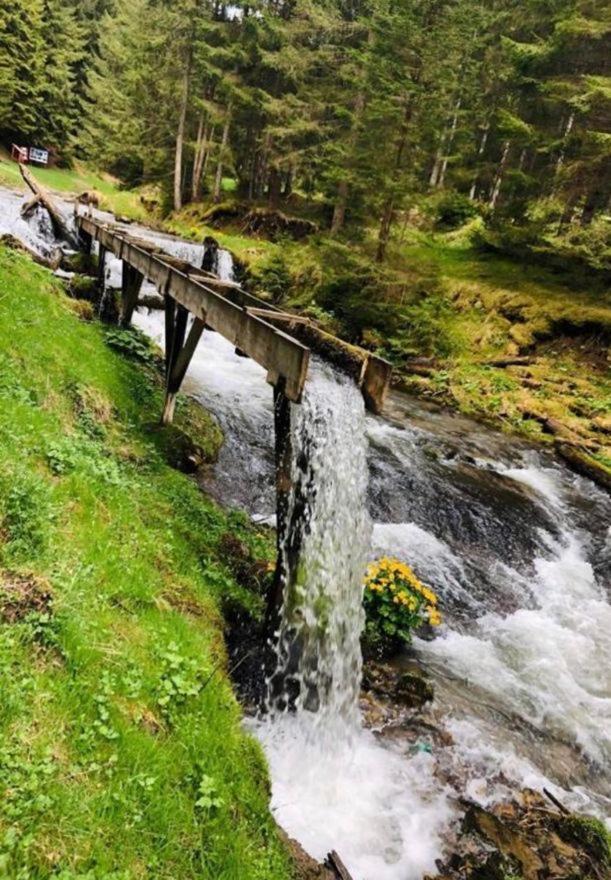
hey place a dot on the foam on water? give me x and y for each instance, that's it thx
(548, 664)
(384, 813)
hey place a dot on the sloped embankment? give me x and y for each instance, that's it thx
(121, 753)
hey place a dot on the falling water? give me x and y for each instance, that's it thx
(322, 616)
(334, 786)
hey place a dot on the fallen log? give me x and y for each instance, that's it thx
(560, 431)
(335, 864)
(52, 262)
(585, 465)
(60, 224)
(152, 301)
(516, 361)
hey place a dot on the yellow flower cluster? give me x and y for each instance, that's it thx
(404, 598)
(397, 578)
(434, 615)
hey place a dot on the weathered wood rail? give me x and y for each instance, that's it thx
(278, 341)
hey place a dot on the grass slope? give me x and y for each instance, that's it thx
(121, 751)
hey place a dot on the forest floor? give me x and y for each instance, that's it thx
(122, 753)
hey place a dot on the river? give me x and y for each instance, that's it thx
(518, 549)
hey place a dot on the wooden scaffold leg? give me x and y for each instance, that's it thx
(179, 349)
(131, 282)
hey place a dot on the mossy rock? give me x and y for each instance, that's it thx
(79, 262)
(178, 448)
(414, 690)
(589, 835)
(83, 287)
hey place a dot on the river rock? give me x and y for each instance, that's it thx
(83, 287)
(409, 689)
(527, 839)
(179, 449)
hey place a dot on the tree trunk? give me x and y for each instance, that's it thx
(567, 131)
(384, 233)
(274, 187)
(60, 223)
(389, 206)
(595, 199)
(339, 211)
(482, 147)
(219, 167)
(180, 137)
(444, 165)
(198, 161)
(496, 189)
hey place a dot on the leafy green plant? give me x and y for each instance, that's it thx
(207, 795)
(27, 514)
(181, 680)
(396, 602)
(131, 342)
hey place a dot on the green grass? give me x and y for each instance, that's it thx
(121, 750)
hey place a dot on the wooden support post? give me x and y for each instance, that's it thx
(292, 506)
(131, 282)
(101, 273)
(85, 241)
(178, 352)
(283, 458)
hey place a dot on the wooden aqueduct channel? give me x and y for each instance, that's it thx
(279, 341)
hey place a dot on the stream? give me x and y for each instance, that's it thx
(518, 549)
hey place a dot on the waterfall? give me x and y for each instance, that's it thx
(322, 615)
(333, 785)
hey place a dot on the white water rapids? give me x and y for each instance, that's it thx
(519, 550)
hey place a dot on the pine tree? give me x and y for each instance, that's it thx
(21, 68)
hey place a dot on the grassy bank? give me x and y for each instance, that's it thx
(121, 752)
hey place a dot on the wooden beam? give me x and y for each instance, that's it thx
(101, 273)
(131, 282)
(280, 354)
(60, 224)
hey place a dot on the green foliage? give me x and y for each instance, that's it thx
(396, 602)
(274, 277)
(132, 342)
(27, 513)
(453, 210)
(41, 47)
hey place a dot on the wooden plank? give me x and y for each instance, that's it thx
(60, 223)
(334, 862)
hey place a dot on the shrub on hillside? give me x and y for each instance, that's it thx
(453, 210)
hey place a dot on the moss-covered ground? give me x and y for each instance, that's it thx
(121, 749)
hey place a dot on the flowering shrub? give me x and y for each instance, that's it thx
(395, 603)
